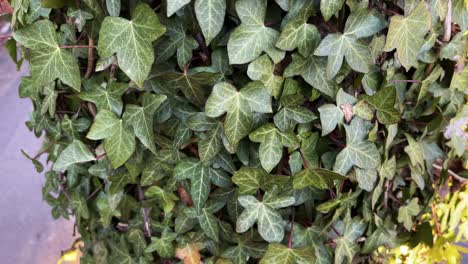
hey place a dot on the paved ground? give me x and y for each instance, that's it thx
(28, 234)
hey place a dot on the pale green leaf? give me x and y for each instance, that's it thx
(406, 35)
(141, 118)
(210, 15)
(48, 61)
(131, 41)
(174, 5)
(113, 7)
(407, 212)
(76, 152)
(262, 69)
(109, 98)
(239, 106)
(330, 7)
(318, 178)
(281, 254)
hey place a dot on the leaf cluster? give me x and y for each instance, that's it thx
(247, 131)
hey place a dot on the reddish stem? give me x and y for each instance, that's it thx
(100, 156)
(292, 229)
(5, 36)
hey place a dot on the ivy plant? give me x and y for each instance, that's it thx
(250, 131)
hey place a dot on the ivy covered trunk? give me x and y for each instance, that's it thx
(251, 131)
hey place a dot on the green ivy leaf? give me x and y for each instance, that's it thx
(299, 34)
(192, 84)
(406, 213)
(174, 5)
(313, 70)
(209, 224)
(347, 45)
(119, 142)
(201, 177)
(76, 152)
(131, 41)
(239, 106)
(406, 35)
(318, 178)
(331, 7)
(278, 253)
(48, 60)
(262, 69)
(167, 199)
(249, 180)
(113, 7)
(384, 102)
(141, 118)
(271, 144)
(252, 37)
(269, 221)
(210, 15)
(109, 98)
(358, 151)
(164, 245)
(346, 245)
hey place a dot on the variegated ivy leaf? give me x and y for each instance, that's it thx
(48, 61)
(209, 224)
(251, 37)
(76, 152)
(192, 83)
(164, 245)
(246, 247)
(313, 70)
(119, 141)
(346, 245)
(406, 213)
(239, 106)
(201, 177)
(141, 118)
(131, 41)
(358, 150)
(299, 34)
(166, 198)
(330, 7)
(318, 178)
(406, 35)
(271, 144)
(278, 254)
(292, 113)
(210, 15)
(265, 214)
(262, 69)
(337, 46)
(249, 180)
(384, 102)
(80, 17)
(332, 115)
(109, 98)
(174, 5)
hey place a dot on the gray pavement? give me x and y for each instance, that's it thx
(28, 233)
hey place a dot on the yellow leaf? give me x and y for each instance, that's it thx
(190, 253)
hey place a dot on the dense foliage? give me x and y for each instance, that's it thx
(246, 131)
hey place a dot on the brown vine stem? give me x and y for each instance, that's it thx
(434, 216)
(146, 217)
(90, 68)
(77, 47)
(100, 156)
(44, 151)
(292, 229)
